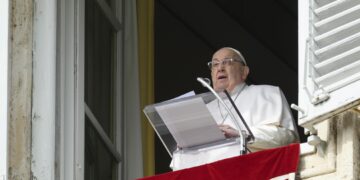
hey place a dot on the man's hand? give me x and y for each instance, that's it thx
(228, 131)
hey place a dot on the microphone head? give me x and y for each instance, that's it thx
(207, 80)
(204, 81)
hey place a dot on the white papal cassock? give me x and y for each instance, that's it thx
(266, 112)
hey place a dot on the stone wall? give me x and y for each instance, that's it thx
(338, 157)
(20, 74)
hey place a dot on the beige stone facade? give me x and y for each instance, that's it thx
(338, 156)
(20, 91)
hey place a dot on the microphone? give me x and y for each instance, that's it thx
(242, 138)
(207, 85)
(251, 135)
(207, 80)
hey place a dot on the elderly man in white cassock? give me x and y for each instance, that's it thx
(263, 107)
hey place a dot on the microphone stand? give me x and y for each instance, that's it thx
(243, 139)
(246, 138)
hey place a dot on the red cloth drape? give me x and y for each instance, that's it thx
(264, 164)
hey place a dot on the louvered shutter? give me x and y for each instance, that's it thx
(329, 57)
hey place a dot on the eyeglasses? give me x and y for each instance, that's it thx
(225, 62)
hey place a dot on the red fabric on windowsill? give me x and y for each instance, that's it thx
(264, 164)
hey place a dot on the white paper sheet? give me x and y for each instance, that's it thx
(190, 122)
(188, 94)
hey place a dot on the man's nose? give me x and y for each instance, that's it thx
(221, 67)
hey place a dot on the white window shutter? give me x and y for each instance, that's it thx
(329, 57)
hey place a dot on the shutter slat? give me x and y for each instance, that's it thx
(343, 82)
(338, 47)
(338, 61)
(338, 19)
(323, 2)
(334, 7)
(338, 33)
(339, 74)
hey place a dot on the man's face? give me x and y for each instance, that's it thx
(227, 76)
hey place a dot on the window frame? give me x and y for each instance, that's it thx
(70, 104)
(4, 64)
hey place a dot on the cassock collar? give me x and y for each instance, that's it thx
(238, 88)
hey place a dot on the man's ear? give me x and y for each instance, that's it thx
(245, 73)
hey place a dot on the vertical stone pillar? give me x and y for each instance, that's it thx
(348, 146)
(20, 74)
